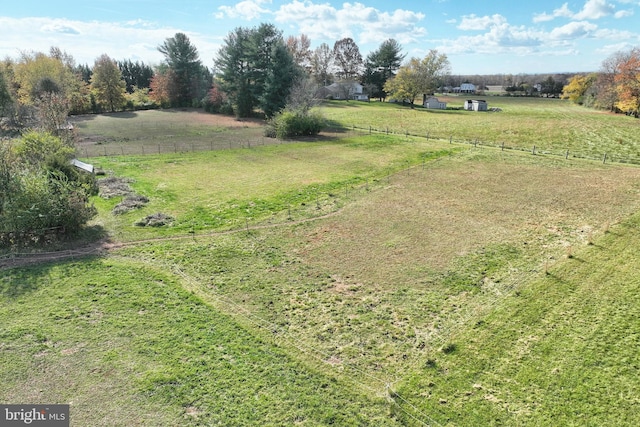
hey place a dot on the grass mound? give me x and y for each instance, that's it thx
(129, 203)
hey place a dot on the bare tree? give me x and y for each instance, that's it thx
(299, 47)
(348, 59)
(302, 95)
(321, 63)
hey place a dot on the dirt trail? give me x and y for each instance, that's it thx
(102, 247)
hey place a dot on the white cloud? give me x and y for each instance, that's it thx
(592, 10)
(573, 30)
(563, 12)
(611, 48)
(473, 22)
(595, 9)
(86, 40)
(248, 10)
(59, 28)
(613, 34)
(364, 23)
(623, 13)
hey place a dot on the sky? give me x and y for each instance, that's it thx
(478, 37)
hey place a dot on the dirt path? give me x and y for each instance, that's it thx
(102, 247)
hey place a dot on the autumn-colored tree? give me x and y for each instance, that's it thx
(628, 83)
(215, 99)
(33, 69)
(107, 83)
(163, 87)
(578, 87)
(404, 86)
(419, 77)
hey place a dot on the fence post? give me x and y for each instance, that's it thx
(502, 147)
(450, 139)
(534, 150)
(604, 159)
(566, 156)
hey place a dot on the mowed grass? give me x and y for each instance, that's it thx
(128, 345)
(550, 125)
(372, 289)
(228, 189)
(163, 131)
(426, 286)
(561, 351)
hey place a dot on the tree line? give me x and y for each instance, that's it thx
(257, 72)
(615, 87)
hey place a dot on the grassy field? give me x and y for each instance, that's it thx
(551, 125)
(163, 131)
(367, 280)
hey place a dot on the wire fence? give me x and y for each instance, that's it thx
(177, 145)
(605, 157)
(220, 141)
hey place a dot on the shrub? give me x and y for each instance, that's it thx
(40, 190)
(290, 124)
(215, 100)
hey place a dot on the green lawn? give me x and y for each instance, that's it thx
(366, 280)
(551, 125)
(125, 344)
(227, 189)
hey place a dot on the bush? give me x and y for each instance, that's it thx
(215, 100)
(40, 192)
(290, 124)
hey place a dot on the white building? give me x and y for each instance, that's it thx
(346, 90)
(433, 103)
(467, 88)
(476, 105)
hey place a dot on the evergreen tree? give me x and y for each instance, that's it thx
(281, 74)
(247, 68)
(381, 65)
(182, 58)
(135, 74)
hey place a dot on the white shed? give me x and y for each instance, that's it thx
(433, 103)
(476, 105)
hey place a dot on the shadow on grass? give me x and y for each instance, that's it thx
(26, 278)
(20, 264)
